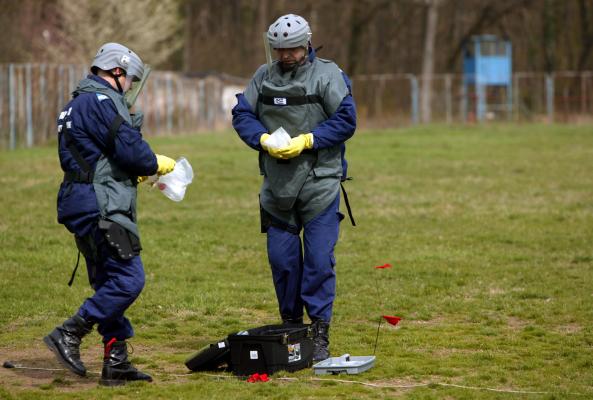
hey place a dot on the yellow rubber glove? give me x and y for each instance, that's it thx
(296, 146)
(271, 151)
(262, 139)
(165, 164)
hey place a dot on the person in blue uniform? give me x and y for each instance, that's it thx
(311, 99)
(104, 156)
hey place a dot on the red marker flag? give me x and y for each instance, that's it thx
(258, 378)
(392, 320)
(383, 266)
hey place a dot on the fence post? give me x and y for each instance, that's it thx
(42, 107)
(2, 80)
(482, 107)
(414, 97)
(550, 97)
(156, 81)
(509, 94)
(60, 87)
(11, 107)
(448, 99)
(170, 101)
(583, 93)
(194, 107)
(29, 105)
(517, 98)
(71, 79)
(463, 101)
(211, 107)
(180, 101)
(379, 97)
(201, 102)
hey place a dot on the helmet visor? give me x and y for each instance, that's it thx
(134, 85)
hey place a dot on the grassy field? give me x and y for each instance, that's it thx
(489, 231)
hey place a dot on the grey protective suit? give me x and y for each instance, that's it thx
(296, 190)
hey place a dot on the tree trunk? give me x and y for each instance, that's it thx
(428, 59)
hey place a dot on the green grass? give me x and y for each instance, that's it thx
(489, 231)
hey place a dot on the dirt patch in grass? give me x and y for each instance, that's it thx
(517, 323)
(426, 322)
(37, 368)
(568, 329)
(39, 356)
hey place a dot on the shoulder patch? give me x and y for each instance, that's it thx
(101, 97)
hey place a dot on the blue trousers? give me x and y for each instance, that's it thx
(117, 284)
(304, 275)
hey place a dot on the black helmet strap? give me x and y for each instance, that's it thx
(116, 78)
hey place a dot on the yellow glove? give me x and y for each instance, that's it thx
(165, 164)
(296, 146)
(262, 139)
(271, 151)
(142, 179)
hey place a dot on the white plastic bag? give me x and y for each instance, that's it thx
(174, 183)
(278, 139)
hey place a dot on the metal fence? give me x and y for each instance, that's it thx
(31, 96)
(394, 100)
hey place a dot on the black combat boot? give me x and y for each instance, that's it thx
(65, 340)
(117, 369)
(320, 340)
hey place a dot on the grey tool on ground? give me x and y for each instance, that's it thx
(345, 363)
(10, 365)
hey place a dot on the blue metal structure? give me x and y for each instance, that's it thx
(487, 62)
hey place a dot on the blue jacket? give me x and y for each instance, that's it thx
(91, 115)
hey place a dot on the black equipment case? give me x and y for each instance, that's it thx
(266, 349)
(210, 358)
(272, 348)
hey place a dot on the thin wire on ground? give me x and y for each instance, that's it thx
(388, 386)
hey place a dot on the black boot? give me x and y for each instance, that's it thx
(320, 340)
(117, 370)
(65, 340)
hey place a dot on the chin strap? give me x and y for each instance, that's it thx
(116, 78)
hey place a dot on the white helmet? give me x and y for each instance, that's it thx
(114, 55)
(289, 31)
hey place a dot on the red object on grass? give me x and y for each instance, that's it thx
(391, 319)
(383, 266)
(258, 378)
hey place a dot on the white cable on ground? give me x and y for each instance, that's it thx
(410, 386)
(376, 385)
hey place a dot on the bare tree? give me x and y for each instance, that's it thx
(428, 58)
(152, 28)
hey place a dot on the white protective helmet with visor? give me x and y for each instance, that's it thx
(115, 55)
(289, 31)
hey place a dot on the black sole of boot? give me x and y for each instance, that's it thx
(112, 382)
(119, 382)
(52, 346)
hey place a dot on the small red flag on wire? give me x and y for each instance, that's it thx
(391, 319)
(383, 266)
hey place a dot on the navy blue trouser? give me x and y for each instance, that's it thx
(306, 277)
(117, 284)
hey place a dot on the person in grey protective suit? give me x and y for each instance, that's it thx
(103, 157)
(311, 99)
